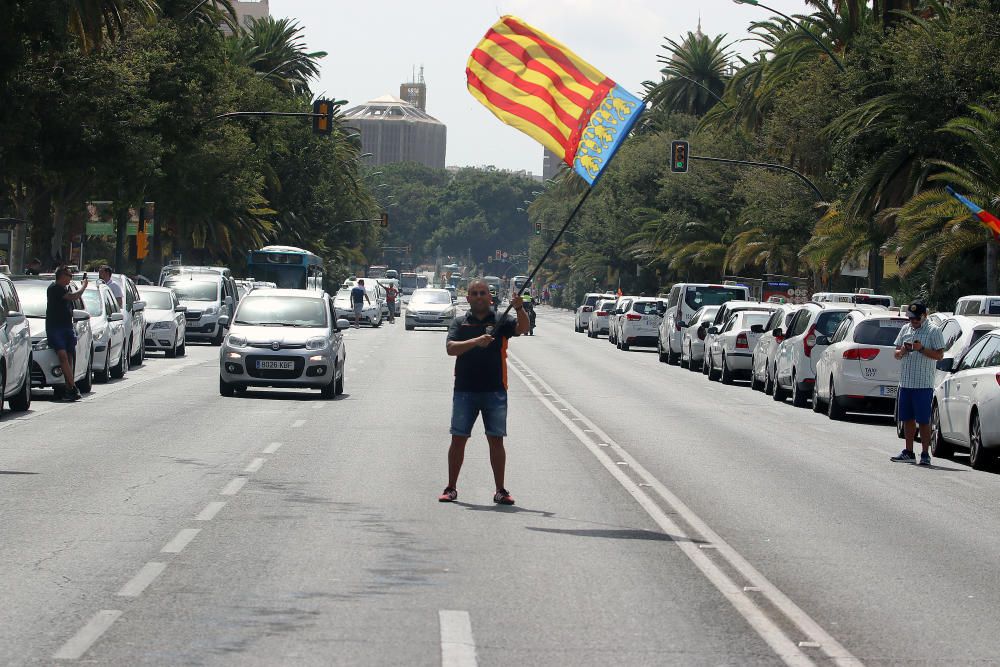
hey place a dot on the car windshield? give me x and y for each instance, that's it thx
(33, 299)
(696, 297)
(430, 297)
(878, 332)
(282, 311)
(157, 300)
(195, 290)
(750, 319)
(605, 306)
(827, 323)
(92, 302)
(591, 300)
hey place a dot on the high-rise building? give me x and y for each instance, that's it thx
(250, 9)
(397, 130)
(551, 164)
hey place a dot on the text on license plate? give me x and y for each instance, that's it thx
(889, 390)
(275, 365)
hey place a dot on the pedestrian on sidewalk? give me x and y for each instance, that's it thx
(59, 326)
(390, 298)
(358, 297)
(479, 343)
(919, 346)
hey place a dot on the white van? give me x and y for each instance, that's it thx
(978, 304)
(682, 302)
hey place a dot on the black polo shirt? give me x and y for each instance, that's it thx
(482, 368)
(58, 311)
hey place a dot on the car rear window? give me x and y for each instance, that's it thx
(649, 307)
(878, 332)
(605, 306)
(867, 299)
(827, 323)
(591, 300)
(696, 297)
(750, 319)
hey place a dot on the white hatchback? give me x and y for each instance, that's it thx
(858, 371)
(960, 332)
(598, 322)
(767, 347)
(639, 323)
(730, 351)
(693, 335)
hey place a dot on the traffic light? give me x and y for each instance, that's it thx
(385, 219)
(498, 255)
(322, 117)
(538, 229)
(141, 243)
(679, 154)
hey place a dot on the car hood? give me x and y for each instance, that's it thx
(276, 334)
(36, 325)
(198, 305)
(159, 315)
(430, 307)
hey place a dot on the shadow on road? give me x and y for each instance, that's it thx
(16, 472)
(507, 509)
(617, 534)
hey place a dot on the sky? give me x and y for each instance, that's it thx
(375, 46)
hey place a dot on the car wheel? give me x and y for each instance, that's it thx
(799, 397)
(172, 352)
(834, 410)
(623, 347)
(330, 389)
(182, 349)
(21, 401)
(121, 367)
(226, 389)
(673, 358)
(104, 375)
(779, 394)
(682, 362)
(87, 383)
(979, 457)
(136, 360)
(339, 386)
(409, 327)
(3, 385)
(940, 448)
(713, 375)
(725, 374)
(217, 341)
(817, 404)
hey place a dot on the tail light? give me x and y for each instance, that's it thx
(779, 339)
(588, 309)
(632, 317)
(677, 319)
(998, 378)
(809, 342)
(861, 353)
(741, 342)
(602, 313)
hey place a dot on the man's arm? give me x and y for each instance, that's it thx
(935, 354)
(523, 323)
(457, 348)
(73, 296)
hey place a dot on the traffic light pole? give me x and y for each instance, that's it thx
(766, 165)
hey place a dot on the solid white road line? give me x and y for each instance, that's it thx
(298, 423)
(272, 448)
(458, 648)
(233, 487)
(255, 465)
(769, 631)
(145, 577)
(210, 510)
(81, 642)
(181, 540)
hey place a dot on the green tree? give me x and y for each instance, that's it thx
(694, 74)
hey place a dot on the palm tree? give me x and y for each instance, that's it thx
(212, 13)
(94, 22)
(274, 48)
(694, 74)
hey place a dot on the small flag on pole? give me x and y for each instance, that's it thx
(984, 217)
(536, 84)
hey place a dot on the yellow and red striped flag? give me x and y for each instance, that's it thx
(536, 84)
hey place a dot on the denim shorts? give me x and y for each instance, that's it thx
(915, 404)
(62, 339)
(466, 406)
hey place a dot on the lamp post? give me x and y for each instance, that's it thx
(814, 38)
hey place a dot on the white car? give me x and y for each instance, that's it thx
(858, 370)
(45, 368)
(586, 307)
(693, 334)
(132, 313)
(209, 299)
(614, 317)
(722, 317)
(795, 361)
(371, 309)
(978, 304)
(15, 350)
(284, 338)
(767, 347)
(598, 322)
(107, 322)
(166, 323)
(966, 407)
(429, 308)
(960, 332)
(682, 302)
(639, 323)
(730, 350)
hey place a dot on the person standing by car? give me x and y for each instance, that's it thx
(479, 344)
(105, 273)
(358, 297)
(390, 299)
(59, 326)
(919, 346)
(34, 267)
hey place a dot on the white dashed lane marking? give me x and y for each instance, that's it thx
(272, 448)
(144, 578)
(181, 540)
(255, 465)
(458, 648)
(298, 423)
(81, 642)
(210, 510)
(233, 487)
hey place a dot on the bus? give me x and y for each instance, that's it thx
(407, 283)
(377, 271)
(287, 267)
(517, 284)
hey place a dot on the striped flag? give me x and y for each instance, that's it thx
(534, 83)
(984, 217)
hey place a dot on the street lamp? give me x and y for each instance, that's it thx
(814, 38)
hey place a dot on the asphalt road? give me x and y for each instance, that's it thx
(660, 519)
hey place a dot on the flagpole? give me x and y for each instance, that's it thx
(552, 245)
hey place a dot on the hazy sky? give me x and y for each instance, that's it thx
(374, 46)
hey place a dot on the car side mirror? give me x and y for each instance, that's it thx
(180, 309)
(343, 324)
(757, 329)
(681, 324)
(116, 317)
(229, 300)
(713, 330)
(138, 306)
(80, 315)
(224, 321)
(822, 340)
(947, 365)
(778, 333)
(14, 318)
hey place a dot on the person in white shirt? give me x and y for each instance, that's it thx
(116, 290)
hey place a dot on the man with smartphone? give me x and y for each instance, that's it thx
(919, 346)
(59, 326)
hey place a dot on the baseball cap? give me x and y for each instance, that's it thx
(916, 311)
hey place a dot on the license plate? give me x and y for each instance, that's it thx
(275, 365)
(889, 390)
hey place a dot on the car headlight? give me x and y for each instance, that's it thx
(237, 341)
(317, 343)
(99, 335)
(162, 325)
(40, 344)
(211, 310)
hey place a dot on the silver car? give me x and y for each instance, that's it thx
(166, 323)
(15, 350)
(430, 308)
(283, 338)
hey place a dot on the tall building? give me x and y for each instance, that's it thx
(394, 130)
(551, 164)
(248, 9)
